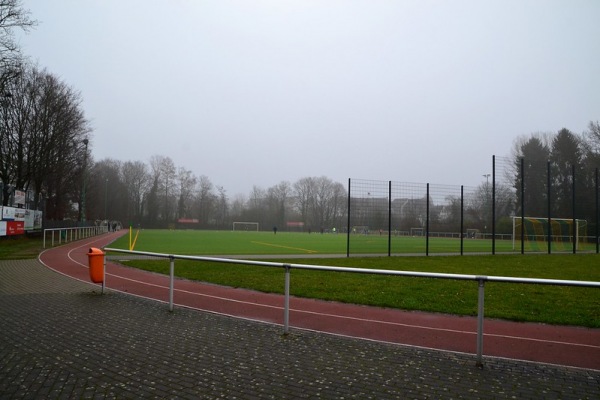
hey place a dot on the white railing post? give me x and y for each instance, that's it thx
(480, 312)
(103, 272)
(286, 301)
(172, 280)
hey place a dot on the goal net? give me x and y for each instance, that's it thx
(245, 226)
(564, 232)
(473, 234)
(416, 232)
(360, 229)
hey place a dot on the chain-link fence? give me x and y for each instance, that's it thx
(519, 207)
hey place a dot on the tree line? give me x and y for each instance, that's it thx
(160, 194)
(558, 171)
(43, 141)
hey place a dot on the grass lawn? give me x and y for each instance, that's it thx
(533, 303)
(237, 243)
(20, 248)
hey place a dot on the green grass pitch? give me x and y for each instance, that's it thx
(193, 242)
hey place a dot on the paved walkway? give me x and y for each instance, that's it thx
(60, 338)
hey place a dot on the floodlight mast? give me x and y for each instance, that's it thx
(82, 216)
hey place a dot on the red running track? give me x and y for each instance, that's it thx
(560, 345)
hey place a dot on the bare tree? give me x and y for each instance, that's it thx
(43, 138)
(222, 212)
(592, 138)
(257, 207)
(304, 191)
(237, 207)
(205, 200)
(12, 16)
(187, 183)
(163, 190)
(136, 179)
(277, 197)
(107, 193)
(320, 201)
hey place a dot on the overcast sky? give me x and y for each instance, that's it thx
(257, 92)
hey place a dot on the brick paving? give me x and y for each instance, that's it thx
(62, 339)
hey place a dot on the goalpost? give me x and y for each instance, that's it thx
(246, 226)
(416, 232)
(536, 230)
(473, 234)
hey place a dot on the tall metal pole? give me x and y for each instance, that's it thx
(549, 210)
(82, 217)
(389, 218)
(597, 215)
(427, 224)
(574, 218)
(522, 206)
(493, 204)
(487, 204)
(462, 219)
(348, 230)
(105, 199)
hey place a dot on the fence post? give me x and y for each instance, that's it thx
(348, 230)
(574, 219)
(389, 218)
(481, 280)
(171, 280)
(427, 223)
(286, 301)
(522, 205)
(597, 214)
(493, 205)
(549, 209)
(462, 219)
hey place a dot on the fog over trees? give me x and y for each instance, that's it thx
(160, 194)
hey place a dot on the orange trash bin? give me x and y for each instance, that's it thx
(96, 264)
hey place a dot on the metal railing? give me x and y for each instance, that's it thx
(480, 279)
(75, 233)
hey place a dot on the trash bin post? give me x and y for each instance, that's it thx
(103, 273)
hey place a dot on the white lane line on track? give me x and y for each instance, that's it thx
(88, 244)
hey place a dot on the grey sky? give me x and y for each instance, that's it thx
(256, 92)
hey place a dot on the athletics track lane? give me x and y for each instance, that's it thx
(569, 346)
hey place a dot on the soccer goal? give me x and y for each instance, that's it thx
(416, 232)
(564, 231)
(246, 226)
(473, 234)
